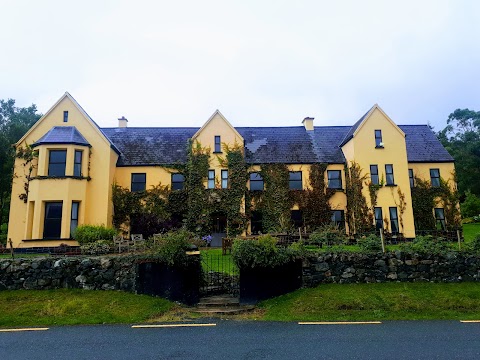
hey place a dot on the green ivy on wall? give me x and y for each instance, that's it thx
(359, 217)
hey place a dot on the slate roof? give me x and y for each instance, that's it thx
(290, 145)
(349, 134)
(423, 145)
(62, 135)
(150, 146)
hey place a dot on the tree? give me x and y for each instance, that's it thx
(461, 137)
(14, 123)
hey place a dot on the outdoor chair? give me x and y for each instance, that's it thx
(227, 245)
(138, 242)
(157, 238)
(121, 243)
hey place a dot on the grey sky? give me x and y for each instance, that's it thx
(261, 63)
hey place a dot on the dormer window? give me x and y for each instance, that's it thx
(218, 144)
(378, 139)
(65, 116)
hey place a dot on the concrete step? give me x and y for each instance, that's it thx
(218, 301)
(224, 310)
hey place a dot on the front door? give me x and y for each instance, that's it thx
(219, 229)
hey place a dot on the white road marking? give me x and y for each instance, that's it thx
(340, 323)
(170, 325)
(470, 321)
(23, 329)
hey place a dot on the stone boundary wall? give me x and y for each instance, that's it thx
(90, 273)
(389, 267)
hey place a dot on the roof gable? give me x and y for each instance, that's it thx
(217, 115)
(361, 122)
(89, 120)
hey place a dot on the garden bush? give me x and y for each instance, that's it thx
(99, 247)
(262, 253)
(3, 234)
(426, 245)
(369, 244)
(328, 235)
(471, 206)
(474, 245)
(171, 247)
(86, 234)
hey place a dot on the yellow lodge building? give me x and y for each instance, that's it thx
(66, 166)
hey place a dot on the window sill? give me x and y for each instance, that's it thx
(391, 185)
(379, 147)
(336, 189)
(51, 239)
(88, 178)
(217, 152)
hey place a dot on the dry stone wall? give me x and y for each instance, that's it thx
(389, 267)
(91, 273)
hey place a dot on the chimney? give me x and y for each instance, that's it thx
(308, 123)
(122, 122)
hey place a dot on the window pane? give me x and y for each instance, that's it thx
(139, 182)
(77, 166)
(374, 174)
(211, 179)
(74, 218)
(334, 179)
(378, 218)
(389, 174)
(218, 145)
(256, 182)
(57, 161)
(295, 182)
(378, 137)
(178, 177)
(58, 156)
(53, 220)
(435, 177)
(411, 178)
(394, 219)
(295, 175)
(224, 179)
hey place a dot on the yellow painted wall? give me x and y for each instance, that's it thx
(94, 195)
(364, 153)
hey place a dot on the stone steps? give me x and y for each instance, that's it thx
(221, 305)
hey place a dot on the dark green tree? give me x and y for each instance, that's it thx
(14, 123)
(461, 137)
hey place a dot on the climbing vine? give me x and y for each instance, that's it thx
(275, 201)
(315, 201)
(425, 198)
(28, 156)
(359, 217)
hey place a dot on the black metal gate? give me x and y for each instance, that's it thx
(219, 274)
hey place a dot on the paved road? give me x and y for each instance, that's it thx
(250, 340)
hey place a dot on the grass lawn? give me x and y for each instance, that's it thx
(470, 230)
(213, 260)
(391, 301)
(22, 308)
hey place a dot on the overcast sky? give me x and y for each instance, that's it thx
(261, 63)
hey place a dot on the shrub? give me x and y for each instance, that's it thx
(171, 247)
(261, 253)
(328, 235)
(3, 234)
(86, 234)
(426, 245)
(99, 247)
(369, 244)
(471, 206)
(474, 245)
